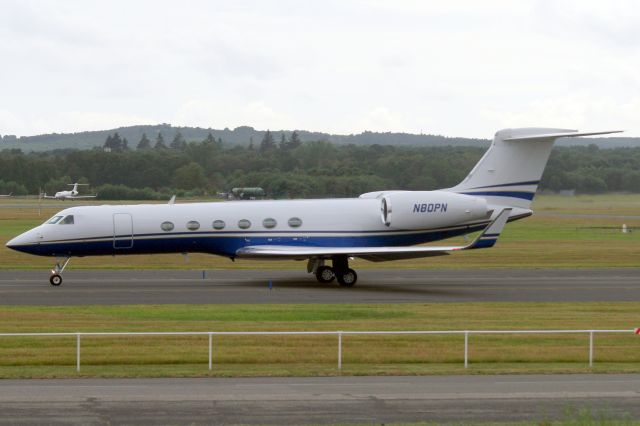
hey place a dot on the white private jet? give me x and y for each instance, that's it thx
(6, 195)
(376, 226)
(69, 195)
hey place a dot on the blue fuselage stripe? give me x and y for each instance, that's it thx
(512, 194)
(531, 182)
(228, 245)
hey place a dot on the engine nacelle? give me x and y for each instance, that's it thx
(430, 209)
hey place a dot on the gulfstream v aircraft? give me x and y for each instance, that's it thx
(69, 195)
(376, 226)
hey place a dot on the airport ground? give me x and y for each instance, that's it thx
(589, 280)
(446, 300)
(519, 400)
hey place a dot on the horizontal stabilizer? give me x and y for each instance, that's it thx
(486, 239)
(552, 136)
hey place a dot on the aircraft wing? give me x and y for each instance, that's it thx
(486, 239)
(77, 197)
(51, 197)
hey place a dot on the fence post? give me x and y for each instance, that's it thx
(210, 350)
(339, 350)
(77, 352)
(466, 349)
(591, 348)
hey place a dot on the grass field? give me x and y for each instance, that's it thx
(317, 355)
(554, 237)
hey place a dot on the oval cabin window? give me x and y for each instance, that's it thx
(295, 222)
(167, 226)
(193, 225)
(218, 224)
(244, 224)
(269, 223)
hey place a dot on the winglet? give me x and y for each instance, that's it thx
(172, 200)
(490, 235)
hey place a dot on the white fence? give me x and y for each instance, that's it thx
(339, 334)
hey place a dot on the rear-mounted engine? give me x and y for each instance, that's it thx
(430, 209)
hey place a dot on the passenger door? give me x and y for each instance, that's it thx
(122, 231)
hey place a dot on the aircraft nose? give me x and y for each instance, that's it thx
(23, 241)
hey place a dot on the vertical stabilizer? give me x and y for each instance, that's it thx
(509, 172)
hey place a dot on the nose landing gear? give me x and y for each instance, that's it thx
(56, 278)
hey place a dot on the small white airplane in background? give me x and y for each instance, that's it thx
(69, 195)
(6, 195)
(377, 226)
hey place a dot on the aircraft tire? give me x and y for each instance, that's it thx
(347, 278)
(325, 274)
(55, 280)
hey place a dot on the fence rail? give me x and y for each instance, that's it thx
(339, 334)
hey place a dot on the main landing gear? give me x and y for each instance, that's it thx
(56, 279)
(340, 271)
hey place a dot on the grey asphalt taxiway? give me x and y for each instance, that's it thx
(89, 287)
(320, 400)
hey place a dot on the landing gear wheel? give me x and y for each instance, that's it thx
(55, 280)
(325, 274)
(347, 278)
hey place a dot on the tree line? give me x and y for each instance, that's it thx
(152, 168)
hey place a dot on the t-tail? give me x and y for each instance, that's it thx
(510, 171)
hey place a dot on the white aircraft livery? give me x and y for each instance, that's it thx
(69, 195)
(376, 226)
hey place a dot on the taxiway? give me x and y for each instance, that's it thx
(90, 287)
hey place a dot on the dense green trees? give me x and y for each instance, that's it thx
(292, 168)
(268, 143)
(160, 142)
(144, 143)
(116, 143)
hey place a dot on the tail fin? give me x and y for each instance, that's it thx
(510, 171)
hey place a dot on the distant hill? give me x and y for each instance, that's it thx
(244, 134)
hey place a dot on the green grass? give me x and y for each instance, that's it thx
(179, 356)
(545, 240)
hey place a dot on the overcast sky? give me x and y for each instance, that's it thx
(458, 68)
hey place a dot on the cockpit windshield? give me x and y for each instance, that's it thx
(67, 220)
(54, 219)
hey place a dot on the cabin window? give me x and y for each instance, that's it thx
(269, 223)
(167, 226)
(218, 224)
(244, 224)
(67, 220)
(54, 219)
(193, 225)
(295, 222)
